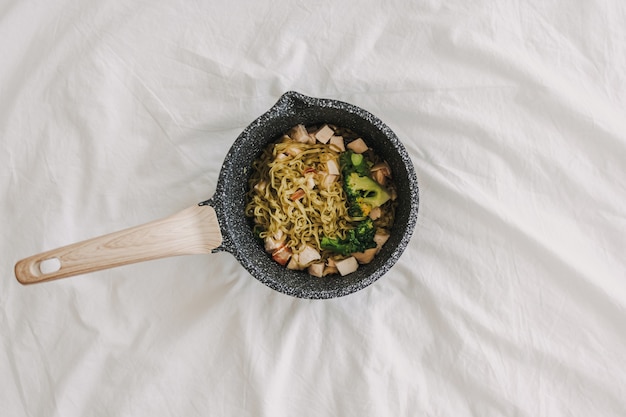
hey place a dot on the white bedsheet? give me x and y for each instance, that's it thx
(509, 301)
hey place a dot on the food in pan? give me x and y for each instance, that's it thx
(321, 200)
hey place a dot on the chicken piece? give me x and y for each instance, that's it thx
(365, 257)
(316, 269)
(294, 264)
(293, 149)
(358, 146)
(333, 167)
(347, 266)
(337, 142)
(308, 255)
(324, 134)
(310, 181)
(380, 238)
(273, 243)
(260, 186)
(327, 180)
(282, 255)
(299, 134)
(375, 213)
(330, 267)
(329, 270)
(380, 172)
(393, 193)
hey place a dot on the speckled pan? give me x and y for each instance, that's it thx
(219, 224)
(230, 197)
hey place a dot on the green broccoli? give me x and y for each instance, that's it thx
(354, 162)
(362, 192)
(357, 240)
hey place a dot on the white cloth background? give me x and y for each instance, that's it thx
(509, 301)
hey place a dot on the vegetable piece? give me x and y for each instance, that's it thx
(358, 239)
(357, 146)
(354, 162)
(347, 266)
(363, 194)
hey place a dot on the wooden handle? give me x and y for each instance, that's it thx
(193, 230)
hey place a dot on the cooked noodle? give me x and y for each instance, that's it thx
(319, 212)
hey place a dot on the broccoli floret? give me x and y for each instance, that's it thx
(363, 193)
(354, 162)
(357, 240)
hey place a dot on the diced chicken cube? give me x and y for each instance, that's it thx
(337, 142)
(316, 269)
(365, 257)
(308, 255)
(327, 180)
(328, 270)
(358, 146)
(347, 266)
(394, 194)
(330, 267)
(294, 264)
(333, 167)
(293, 149)
(380, 172)
(379, 177)
(380, 238)
(273, 243)
(310, 181)
(299, 134)
(282, 255)
(324, 134)
(260, 186)
(375, 213)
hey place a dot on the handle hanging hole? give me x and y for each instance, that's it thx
(48, 266)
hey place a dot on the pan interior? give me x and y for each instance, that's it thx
(230, 198)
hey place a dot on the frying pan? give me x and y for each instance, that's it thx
(219, 224)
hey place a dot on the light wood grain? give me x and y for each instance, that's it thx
(194, 230)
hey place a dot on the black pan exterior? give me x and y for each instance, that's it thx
(230, 197)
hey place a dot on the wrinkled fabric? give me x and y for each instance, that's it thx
(509, 300)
